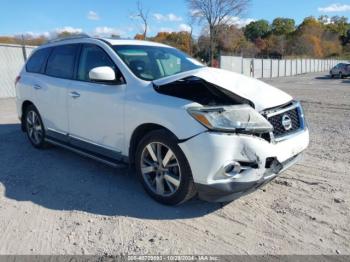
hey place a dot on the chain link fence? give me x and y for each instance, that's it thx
(12, 59)
(270, 68)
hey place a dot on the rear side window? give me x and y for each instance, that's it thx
(61, 61)
(37, 60)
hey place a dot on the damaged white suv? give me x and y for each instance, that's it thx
(187, 128)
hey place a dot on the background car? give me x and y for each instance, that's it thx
(341, 70)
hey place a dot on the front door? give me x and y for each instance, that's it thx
(96, 109)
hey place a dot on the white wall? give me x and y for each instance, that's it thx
(266, 68)
(11, 63)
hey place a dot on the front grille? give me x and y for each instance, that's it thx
(279, 129)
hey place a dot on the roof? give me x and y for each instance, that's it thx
(84, 38)
(131, 42)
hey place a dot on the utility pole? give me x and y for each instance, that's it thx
(24, 51)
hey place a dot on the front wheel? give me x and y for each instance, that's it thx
(163, 169)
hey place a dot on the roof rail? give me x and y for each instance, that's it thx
(70, 37)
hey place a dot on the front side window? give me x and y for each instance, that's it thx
(154, 62)
(92, 56)
(61, 61)
(37, 60)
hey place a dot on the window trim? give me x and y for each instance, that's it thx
(111, 83)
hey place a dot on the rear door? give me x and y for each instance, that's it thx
(336, 70)
(96, 109)
(31, 80)
(52, 93)
(348, 70)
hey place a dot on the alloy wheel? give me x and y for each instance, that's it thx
(160, 169)
(34, 127)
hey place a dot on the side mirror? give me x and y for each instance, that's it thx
(102, 74)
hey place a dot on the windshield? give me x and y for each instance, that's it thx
(154, 62)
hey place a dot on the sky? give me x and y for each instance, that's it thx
(106, 17)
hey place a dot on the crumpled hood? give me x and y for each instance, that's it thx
(263, 96)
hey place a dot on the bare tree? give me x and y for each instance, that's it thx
(143, 15)
(214, 13)
(191, 22)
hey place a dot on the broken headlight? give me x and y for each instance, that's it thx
(238, 118)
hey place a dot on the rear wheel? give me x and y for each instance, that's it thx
(163, 169)
(34, 127)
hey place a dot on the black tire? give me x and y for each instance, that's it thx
(341, 75)
(40, 142)
(186, 189)
(332, 76)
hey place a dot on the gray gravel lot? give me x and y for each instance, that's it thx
(56, 202)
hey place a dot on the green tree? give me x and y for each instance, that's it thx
(324, 19)
(313, 38)
(311, 26)
(339, 25)
(283, 26)
(257, 29)
(346, 38)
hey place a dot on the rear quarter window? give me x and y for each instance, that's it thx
(61, 61)
(37, 61)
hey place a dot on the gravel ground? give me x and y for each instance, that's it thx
(56, 202)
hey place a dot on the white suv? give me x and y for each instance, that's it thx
(187, 128)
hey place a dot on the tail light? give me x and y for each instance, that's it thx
(17, 80)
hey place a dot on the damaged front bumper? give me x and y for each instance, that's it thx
(211, 156)
(222, 192)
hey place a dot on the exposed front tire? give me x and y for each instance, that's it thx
(34, 127)
(163, 169)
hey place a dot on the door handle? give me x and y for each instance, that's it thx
(37, 87)
(74, 95)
